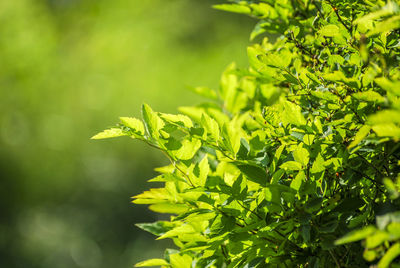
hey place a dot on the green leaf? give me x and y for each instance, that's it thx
(318, 165)
(211, 126)
(387, 130)
(233, 8)
(231, 138)
(253, 173)
(177, 119)
(390, 255)
(370, 255)
(168, 208)
(371, 96)
(204, 169)
(274, 192)
(152, 262)
(291, 165)
(391, 187)
(154, 193)
(329, 30)
(329, 227)
(276, 158)
(109, 133)
(361, 134)
(181, 261)
(374, 240)
(187, 150)
(179, 230)
(228, 87)
(301, 155)
(388, 85)
(279, 59)
(305, 232)
(277, 176)
(153, 122)
(385, 117)
(313, 205)
(292, 114)
(298, 180)
(356, 235)
(134, 124)
(385, 26)
(156, 228)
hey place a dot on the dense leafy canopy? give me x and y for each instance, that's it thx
(293, 160)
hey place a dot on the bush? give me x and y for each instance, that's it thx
(295, 159)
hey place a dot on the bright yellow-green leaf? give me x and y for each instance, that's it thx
(253, 54)
(298, 180)
(147, 201)
(387, 130)
(292, 114)
(276, 158)
(181, 261)
(182, 229)
(109, 133)
(318, 165)
(308, 139)
(329, 30)
(369, 95)
(374, 240)
(231, 137)
(370, 255)
(152, 121)
(204, 169)
(211, 126)
(133, 123)
(388, 85)
(386, 25)
(385, 117)
(291, 165)
(233, 8)
(152, 262)
(301, 155)
(179, 119)
(356, 235)
(168, 208)
(228, 84)
(394, 230)
(188, 149)
(361, 134)
(390, 255)
(154, 193)
(277, 176)
(279, 59)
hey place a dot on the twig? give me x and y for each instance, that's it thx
(340, 18)
(334, 258)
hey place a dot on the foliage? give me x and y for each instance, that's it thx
(295, 159)
(63, 65)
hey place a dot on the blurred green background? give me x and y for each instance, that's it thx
(68, 69)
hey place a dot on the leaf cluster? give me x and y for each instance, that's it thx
(294, 159)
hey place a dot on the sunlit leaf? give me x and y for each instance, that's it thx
(109, 133)
(152, 262)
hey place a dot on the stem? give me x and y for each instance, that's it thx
(340, 18)
(249, 210)
(298, 81)
(334, 258)
(173, 162)
(370, 164)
